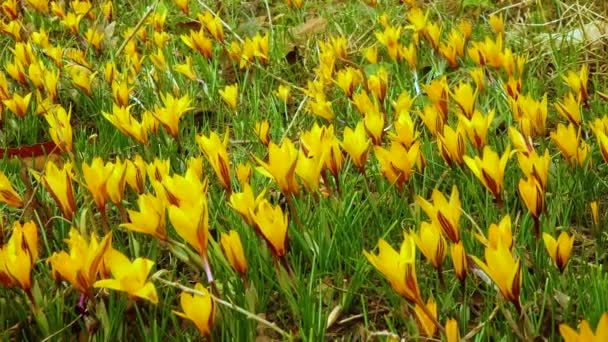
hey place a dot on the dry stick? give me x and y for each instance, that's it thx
(229, 305)
(141, 22)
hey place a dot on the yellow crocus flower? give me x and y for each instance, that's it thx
(281, 166)
(59, 184)
(533, 196)
(172, 111)
(465, 97)
(8, 194)
(233, 250)
(19, 255)
(568, 140)
(431, 243)
(115, 185)
(585, 334)
(213, 24)
(216, 152)
(245, 202)
(397, 163)
(498, 233)
(559, 249)
(437, 92)
(262, 131)
(230, 95)
(490, 169)
(451, 145)
(356, 143)
(96, 176)
(271, 223)
(18, 104)
(199, 308)
(129, 277)
(60, 128)
(426, 324)
(446, 213)
(477, 127)
(398, 267)
(570, 109)
(578, 82)
(459, 260)
(191, 222)
(150, 219)
(504, 270)
(80, 267)
(198, 41)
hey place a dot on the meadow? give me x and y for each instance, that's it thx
(303, 170)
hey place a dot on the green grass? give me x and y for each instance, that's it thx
(324, 271)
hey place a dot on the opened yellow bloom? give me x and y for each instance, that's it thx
(245, 202)
(198, 41)
(122, 119)
(451, 145)
(60, 128)
(199, 308)
(172, 111)
(490, 170)
(477, 127)
(426, 324)
(533, 195)
(347, 79)
(465, 97)
(533, 165)
(115, 185)
(452, 333)
(504, 269)
(578, 82)
(182, 190)
(356, 144)
(431, 243)
(446, 213)
(216, 152)
(568, 140)
(438, 92)
(271, 223)
(432, 119)
(96, 176)
(213, 24)
(498, 233)
(262, 130)
(80, 266)
(309, 169)
(570, 109)
(281, 166)
(191, 222)
(230, 95)
(136, 174)
(398, 267)
(585, 333)
(19, 255)
(59, 184)
(129, 277)
(8, 194)
(559, 249)
(397, 164)
(18, 104)
(233, 250)
(150, 219)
